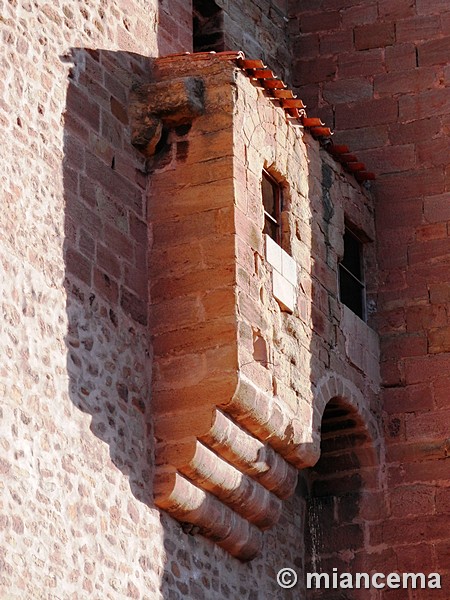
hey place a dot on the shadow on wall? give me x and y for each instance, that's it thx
(105, 257)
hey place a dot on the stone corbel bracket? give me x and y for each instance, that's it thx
(154, 106)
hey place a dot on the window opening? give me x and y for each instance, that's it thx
(207, 21)
(352, 289)
(272, 198)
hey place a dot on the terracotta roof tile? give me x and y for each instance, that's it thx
(294, 108)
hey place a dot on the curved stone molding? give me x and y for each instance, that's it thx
(270, 421)
(187, 503)
(251, 456)
(238, 491)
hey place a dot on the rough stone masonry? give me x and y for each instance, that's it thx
(91, 246)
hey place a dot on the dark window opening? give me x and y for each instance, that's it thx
(352, 291)
(207, 19)
(272, 198)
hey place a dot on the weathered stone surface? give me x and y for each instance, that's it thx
(247, 371)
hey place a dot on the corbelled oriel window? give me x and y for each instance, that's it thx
(230, 319)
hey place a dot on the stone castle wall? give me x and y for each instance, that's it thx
(77, 518)
(77, 454)
(378, 71)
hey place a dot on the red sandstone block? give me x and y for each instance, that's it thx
(428, 368)
(362, 138)
(193, 227)
(440, 389)
(196, 339)
(396, 9)
(136, 279)
(218, 303)
(411, 184)
(190, 283)
(347, 90)
(372, 505)
(439, 340)
(443, 556)
(113, 83)
(428, 426)
(418, 28)
(416, 453)
(313, 71)
(119, 110)
(431, 7)
(440, 293)
(413, 80)
(397, 214)
(365, 113)
(407, 556)
(175, 372)
(423, 317)
(427, 251)
(447, 179)
(134, 307)
(433, 152)
(105, 286)
(390, 373)
(412, 500)
(437, 208)
(390, 321)
(139, 230)
(389, 160)
(443, 500)
(107, 260)
(306, 45)
(360, 14)
(400, 57)
(74, 127)
(401, 346)
(376, 35)
(408, 399)
(414, 530)
(78, 265)
(119, 242)
(71, 180)
(115, 184)
(365, 63)
(322, 21)
(434, 52)
(336, 42)
(393, 594)
(435, 231)
(83, 107)
(74, 153)
(175, 261)
(392, 279)
(393, 258)
(310, 96)
(426, 104)
(174, 314)
(86, 244)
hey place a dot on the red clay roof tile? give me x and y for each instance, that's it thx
(293, 106)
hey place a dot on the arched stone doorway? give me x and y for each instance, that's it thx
(340, 492)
